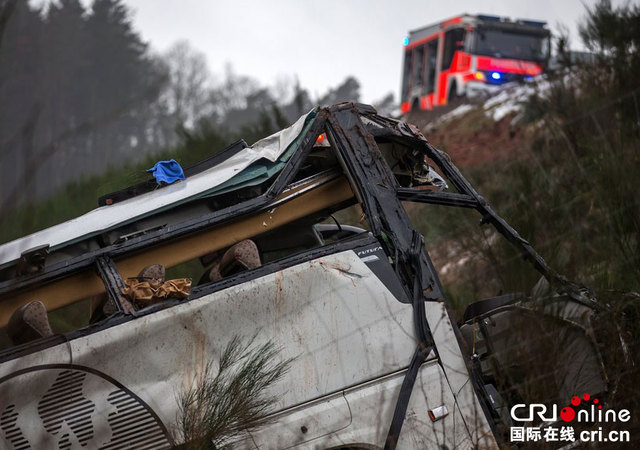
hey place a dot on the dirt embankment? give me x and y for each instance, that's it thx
(472, 138)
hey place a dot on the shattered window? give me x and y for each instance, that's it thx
(56, 308)
(473, 261)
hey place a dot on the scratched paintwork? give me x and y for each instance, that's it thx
(333, 314)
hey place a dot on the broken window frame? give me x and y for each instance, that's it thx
(467, 197)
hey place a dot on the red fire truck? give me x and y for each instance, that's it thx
(469, 54)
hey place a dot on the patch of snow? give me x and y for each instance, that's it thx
(459, 111)
(512, 99)
(502, 110)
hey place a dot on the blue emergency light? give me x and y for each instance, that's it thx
(496, 75)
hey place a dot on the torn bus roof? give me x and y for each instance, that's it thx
(241, 169)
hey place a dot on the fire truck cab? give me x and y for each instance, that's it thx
(470, 54)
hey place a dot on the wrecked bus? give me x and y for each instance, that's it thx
(378, 360)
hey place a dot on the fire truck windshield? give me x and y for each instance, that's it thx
(511, 44)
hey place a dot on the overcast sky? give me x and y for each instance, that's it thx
(320, 41)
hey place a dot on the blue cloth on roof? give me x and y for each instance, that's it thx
(167, 171)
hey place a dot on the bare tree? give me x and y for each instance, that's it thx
(187, 94)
